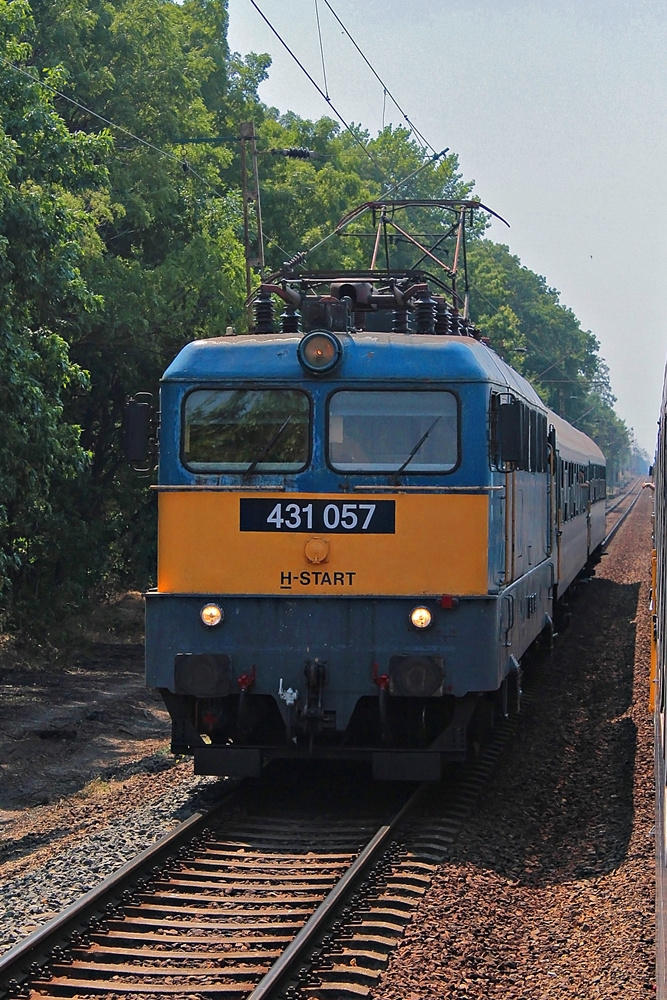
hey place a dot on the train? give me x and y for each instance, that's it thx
(658, 697)
(366, 517)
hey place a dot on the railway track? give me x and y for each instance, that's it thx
(254, 901)
(210, 919)
(225, 906)
(617, 512)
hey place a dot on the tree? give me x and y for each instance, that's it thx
(171, 266)
(51, 184)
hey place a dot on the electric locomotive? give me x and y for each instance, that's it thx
(365, 518)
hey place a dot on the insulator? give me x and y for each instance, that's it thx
(455, 323)
(263, 307)
(293, 262)
(442, 323)
(289, 320)
(400, 321)
(425, 309)
(298, 152)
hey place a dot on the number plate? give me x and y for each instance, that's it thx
(361, 517)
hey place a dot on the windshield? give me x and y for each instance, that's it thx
(246, 430)
(393, 431)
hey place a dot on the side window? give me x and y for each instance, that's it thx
(543, 443)
(518, 435)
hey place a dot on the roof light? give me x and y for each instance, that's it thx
(319, 351)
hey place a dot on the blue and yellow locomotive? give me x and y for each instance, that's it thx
(365, 518)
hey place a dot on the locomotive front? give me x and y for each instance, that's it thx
(331, 544)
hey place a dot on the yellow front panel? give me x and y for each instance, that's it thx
(439, 547)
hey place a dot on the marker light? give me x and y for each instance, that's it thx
(421, 617)
(319, 351)
(211, 615)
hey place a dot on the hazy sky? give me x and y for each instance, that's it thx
(556, 111)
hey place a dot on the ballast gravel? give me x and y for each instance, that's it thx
(32, 897)
(548, 891)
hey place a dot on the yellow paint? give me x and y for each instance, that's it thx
(654, 650)
(440, 547)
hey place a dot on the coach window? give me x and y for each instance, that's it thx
(534, 460)
(393, 431)
(246, 430)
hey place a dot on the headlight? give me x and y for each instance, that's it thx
(211, 615)
(421, 617)
(319, 351)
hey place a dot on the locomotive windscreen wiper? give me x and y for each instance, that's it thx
(268, 449)
(416, 447)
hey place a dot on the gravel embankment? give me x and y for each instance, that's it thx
(548, 892)
(54, 878)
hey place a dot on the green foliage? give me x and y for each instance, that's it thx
(48, 181)
(172, 266)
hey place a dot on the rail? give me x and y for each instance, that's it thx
(608, 537)
(205, 916)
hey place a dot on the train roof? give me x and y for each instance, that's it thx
(372, 356)
(574, 445)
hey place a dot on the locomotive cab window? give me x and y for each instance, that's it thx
(246, 430)
(393, 431)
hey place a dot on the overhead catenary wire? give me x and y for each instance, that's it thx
(320, 91)
(387, 92)
(143, 142)
(157, 149)
(177, 159)
(325, 94)
(319, 35)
